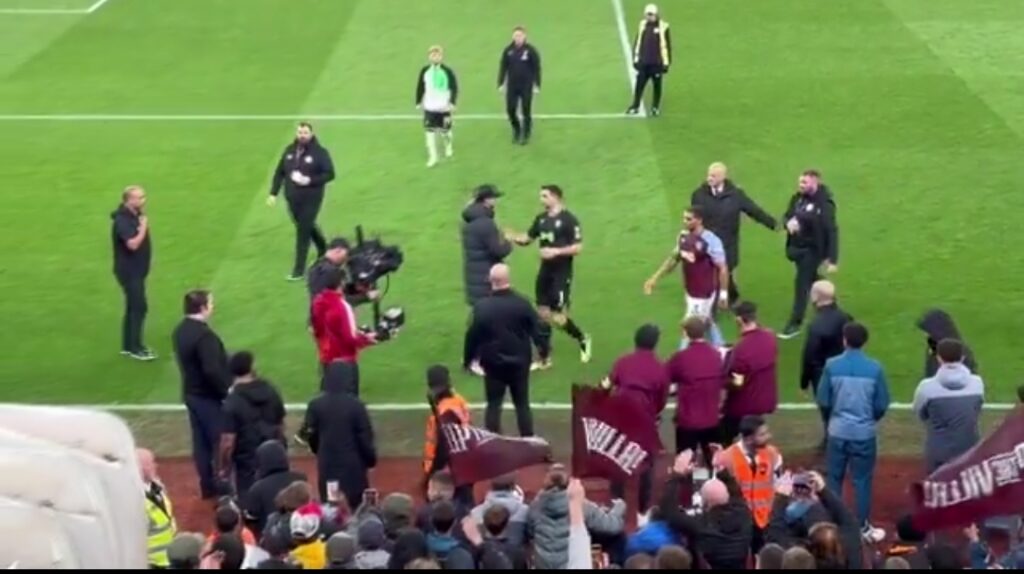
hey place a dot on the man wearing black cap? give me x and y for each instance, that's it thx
(483, 246)
(335, 257)
(305, 169)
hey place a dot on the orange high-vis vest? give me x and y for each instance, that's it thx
(757, 480)
(454, 404)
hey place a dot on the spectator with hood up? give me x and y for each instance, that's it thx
(338, 429)
(950, 405)
(275, 474)
(938, 325)
(371, 539)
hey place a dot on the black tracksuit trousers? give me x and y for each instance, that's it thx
(520, 98)
(515, 380)
(304, 207)
(135, 309)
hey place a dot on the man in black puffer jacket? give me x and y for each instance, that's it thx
(274, 475)
(483, 246)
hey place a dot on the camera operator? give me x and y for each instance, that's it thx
(334, 326)
(336, 258)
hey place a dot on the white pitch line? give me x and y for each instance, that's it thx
(627, 50)
(99, 4)
(43, 11)
(401, 407)
(282, 117)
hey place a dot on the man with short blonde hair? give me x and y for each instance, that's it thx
(437, 91)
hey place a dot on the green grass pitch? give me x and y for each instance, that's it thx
(911, 108)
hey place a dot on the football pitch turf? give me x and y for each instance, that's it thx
(911, 108)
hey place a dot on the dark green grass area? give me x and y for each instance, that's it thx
(911, 109)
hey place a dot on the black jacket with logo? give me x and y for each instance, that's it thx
(504, 325)
(519, 67)
(722, 215)
(647, 49)
(819, 231)
(311, 160)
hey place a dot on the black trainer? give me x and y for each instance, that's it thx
(791, 331)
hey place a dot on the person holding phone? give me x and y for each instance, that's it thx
(338, 430)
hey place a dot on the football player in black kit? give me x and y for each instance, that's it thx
(558, 232)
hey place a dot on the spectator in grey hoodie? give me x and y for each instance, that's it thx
(549, 521)
(504, 492)
(950, 405)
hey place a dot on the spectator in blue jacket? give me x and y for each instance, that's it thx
(854, 391)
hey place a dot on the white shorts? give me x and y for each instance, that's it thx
(699, 307)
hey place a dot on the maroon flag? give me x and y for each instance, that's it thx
(986, 481)
(476, 455)
(612, 436)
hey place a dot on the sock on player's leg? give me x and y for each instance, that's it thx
(573, 330)
(449, 138)
(431, 140)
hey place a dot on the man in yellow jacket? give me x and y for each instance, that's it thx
(159, 511)
(652, 56)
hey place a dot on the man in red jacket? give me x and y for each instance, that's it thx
(752, 373)
(334, 326)
(698, 374)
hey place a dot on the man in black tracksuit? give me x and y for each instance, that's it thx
(812, 240)
(304, 169)
(722, 203)
(652, 56)
(504, 325)
(338, 429)
(275, 474)
(205, 379)
(519, 77)
(253, 414)
(132, 255)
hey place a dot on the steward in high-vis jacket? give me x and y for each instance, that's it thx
(652, 56)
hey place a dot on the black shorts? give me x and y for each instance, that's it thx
(437, 121)
(553, 288)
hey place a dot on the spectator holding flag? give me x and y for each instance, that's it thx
(444, 402)
(641, 375)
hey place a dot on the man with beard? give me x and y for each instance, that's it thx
(812, 241)
(305, 168)
(757, 465)
(705, 270)
(723, 202)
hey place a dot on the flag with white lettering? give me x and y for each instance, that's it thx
(477, 455)
(612, 436)
(986, 481)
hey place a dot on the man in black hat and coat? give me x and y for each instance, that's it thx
(483, 246)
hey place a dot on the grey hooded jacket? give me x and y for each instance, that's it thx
(549, 526)
(950, 405)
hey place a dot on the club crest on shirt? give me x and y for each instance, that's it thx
(558, 223)
(289, 157)
(309, 159)
(525, 56)
(809, 208)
